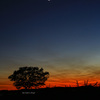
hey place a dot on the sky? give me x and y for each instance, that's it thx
(61, 36)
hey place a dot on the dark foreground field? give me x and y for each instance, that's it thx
(67, 93)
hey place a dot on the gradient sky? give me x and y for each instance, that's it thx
(61, 36)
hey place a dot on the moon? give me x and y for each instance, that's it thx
(49, 0)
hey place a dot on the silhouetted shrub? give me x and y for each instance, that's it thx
(28, 77)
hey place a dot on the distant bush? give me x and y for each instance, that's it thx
(29, 77)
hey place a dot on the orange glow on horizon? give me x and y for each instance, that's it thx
(54, 84)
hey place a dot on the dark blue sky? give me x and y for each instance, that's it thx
(55, 34)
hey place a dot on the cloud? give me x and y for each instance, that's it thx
(91, 73)
(97, 72)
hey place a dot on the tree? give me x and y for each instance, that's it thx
(29, 77)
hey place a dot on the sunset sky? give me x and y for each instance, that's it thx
(61, 36)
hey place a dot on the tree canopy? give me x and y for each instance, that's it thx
(29, 77)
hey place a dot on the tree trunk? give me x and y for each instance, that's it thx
(25, 88)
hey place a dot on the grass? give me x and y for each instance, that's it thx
(87, 91)
(56, 92)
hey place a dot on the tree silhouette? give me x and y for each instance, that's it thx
(29, 77)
